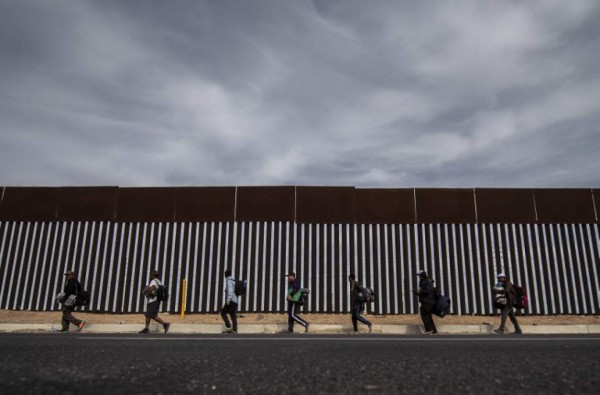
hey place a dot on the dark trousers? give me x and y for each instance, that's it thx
(67, 317)
(230, 309)
(509, 312)
(292, 317)
(356, 310)
(426, 311)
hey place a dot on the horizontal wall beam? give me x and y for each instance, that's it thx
(306, 205)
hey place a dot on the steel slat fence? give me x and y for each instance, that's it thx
(556, 263)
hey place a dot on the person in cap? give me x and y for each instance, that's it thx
(231, 304)
(426, 294)
(152, 303)
(356, 304)
(71, 292)
(505, 288)
(293, 296)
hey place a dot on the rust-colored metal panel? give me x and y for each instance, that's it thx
(88, 203)
(265, 203)
(332, 205)
(505, 206)
(564, 206)
(146, 205)
(596, 193)
(29, 204)
(205, 204)
(385, 206)
(445, 206)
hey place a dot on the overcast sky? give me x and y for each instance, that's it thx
(294, 92)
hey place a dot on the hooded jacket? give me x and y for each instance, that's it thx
(426, 291)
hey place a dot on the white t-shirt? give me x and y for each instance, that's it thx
(152, 297)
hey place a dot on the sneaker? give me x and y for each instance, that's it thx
(145, 330)
(429, 333)
(517, 333)
(499, 331)
(166, 327)
(306, 327)
(370, 328)
(80, 326)
(228, 330)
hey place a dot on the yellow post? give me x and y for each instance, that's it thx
(183, 295)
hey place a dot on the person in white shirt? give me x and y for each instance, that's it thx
(152, 303)
(231, 304)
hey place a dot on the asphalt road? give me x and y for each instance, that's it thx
(299, 363)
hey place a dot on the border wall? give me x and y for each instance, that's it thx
(546, 240)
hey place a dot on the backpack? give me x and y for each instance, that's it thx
(521, 299)
(304, 292)
(442, 305)
(240, 287)
(83, 298)
(499, 296)
(366, 295)
(162, 293)
(60, 298)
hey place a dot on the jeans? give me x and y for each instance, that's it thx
(357, 317)
(230, 309)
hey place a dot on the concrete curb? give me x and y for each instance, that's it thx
(409, 329)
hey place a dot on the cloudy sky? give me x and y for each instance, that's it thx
(295, 92)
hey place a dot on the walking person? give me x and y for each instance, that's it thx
(294, 293)
(150, 291)
(71, 292)
(426, 294)
(356, 304)
(504, 294)
(231, 304)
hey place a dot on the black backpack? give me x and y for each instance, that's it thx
(367, 295)
(304, 292)
(162, 293)
(240, 287)
(83, 298)
(521, 299)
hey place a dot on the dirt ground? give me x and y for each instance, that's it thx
(45, 317)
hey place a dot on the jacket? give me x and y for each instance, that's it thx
(294, 291)
(355, 291)
(511, 297)
(426, 292)
(230, 295)
(72, 287)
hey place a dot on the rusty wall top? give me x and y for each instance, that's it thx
(301, 204)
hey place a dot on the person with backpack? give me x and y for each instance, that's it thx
(426, 294)
(505, 299)
(356, 304)
(69, 297)
(293, 297)
(155, 293)
(231, 304)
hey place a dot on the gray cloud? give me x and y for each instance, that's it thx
(381, 94)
